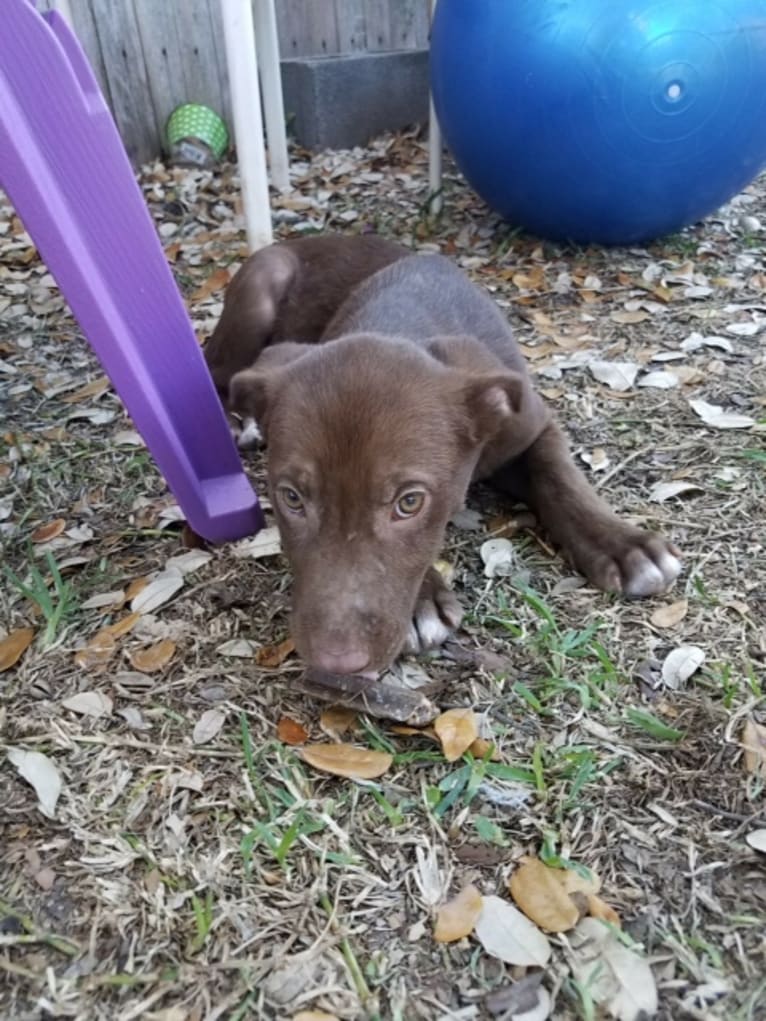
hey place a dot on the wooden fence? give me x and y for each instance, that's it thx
(151, 55)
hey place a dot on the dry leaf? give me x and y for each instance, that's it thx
(337, 720)
(498, 557)
(53, 529)
(190, 561)
(89, 703)
(458, 916)
(754, 743)
(680, 664)
(539, 891)
(39, 771)
(346, 760)
(92, 389)
(598, 908)
(105, 601)
(272, 656)
(136, 586)
(159, 590)
(618, 376)
(314, 1015)
(97, 651)
(217, 280)
(265, 544)
(481, 748)
(154, 657)
(123, 625)
(506, 933)
(457, 730)
(241, 648)
(714, 416)
(662, 491)
(208, 725)
(670, 615)
(629, 317)
(757, 840)
(13, 647)
(660, 380)
(291, 732)
(614, 975)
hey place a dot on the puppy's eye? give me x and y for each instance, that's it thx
(291, 498)
(409, 504)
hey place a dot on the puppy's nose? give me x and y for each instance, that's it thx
(346, 661)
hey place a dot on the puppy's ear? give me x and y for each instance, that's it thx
(252, 391)
(492, 401)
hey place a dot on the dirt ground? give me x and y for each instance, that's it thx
(195, 866)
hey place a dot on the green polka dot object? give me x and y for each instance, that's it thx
(193, 121)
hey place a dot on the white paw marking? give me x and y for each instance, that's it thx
(649, 579)
(250, 435)
(431, 628)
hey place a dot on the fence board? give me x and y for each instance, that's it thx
(307, 28)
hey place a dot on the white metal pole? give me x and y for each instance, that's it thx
(267, 43)
(434, 148)
(239, 36)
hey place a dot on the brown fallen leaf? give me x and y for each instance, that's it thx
(123, 625)
(217, 280)
(314, 1015)
(97, 652)
(539, 891)
(347, 760)
(272, 656)
(598, 908)
(13, 647)
(754, 743)
(457, 730)
(669, 616)
(154, 657)
(458, 916)
(51, 530)
(406, 731)
(481, 748)
(92, 389)
(337, 720)
(136, 586)
(291, 732)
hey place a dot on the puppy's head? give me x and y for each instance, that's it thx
(371, 445)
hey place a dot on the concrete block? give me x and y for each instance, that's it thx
(339, 102)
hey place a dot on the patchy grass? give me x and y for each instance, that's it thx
(227, 879)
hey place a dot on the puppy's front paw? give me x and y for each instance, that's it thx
(626, 560)
(437, 614)
(246, 433)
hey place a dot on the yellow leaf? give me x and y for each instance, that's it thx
(754, 743)
(457, 730)
(669, 616)
(540, 893)
(14, 646)
(458, 916)
(346, 760)
(154, 657)
(272, 656)
(44, 533)
(136, 586)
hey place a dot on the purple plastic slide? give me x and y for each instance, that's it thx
(64, 168)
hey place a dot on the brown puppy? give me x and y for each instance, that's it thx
(374, 435)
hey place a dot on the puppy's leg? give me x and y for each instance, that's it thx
(250, 313)
(612, 554)
(437, 614)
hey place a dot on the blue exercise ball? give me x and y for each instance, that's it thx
(610, 121)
